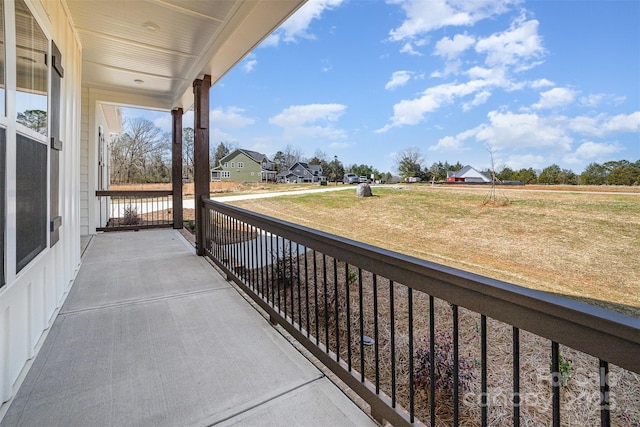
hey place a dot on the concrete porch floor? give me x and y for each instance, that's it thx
(153, 335)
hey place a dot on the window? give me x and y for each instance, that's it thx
(226, 164)
(32, 48)
(31, 67)
(31, 199)
(240, 164)
(233, 165)
(225, 174)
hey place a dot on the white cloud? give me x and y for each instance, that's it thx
(516, 47)
(537, 84)
(591, 150)
(310, 121)
(623, 123)
(412, 111)
(479, 99)
(453, 48)
(423, 16)
(595, 99)
(507, 129)
(249, 63)
(231, 118)
(448, 143)
(408, 48)
(526, 161)
(556, 97)
(398, 78)
(297, 25)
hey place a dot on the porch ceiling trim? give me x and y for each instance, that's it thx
(149, 52)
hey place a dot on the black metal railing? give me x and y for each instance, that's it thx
(134, 210)
(425, 343)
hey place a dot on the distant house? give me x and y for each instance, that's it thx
(244, 166)
(302, 172)
(467, 174)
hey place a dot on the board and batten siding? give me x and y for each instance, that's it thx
(30, 298)
(243, 174)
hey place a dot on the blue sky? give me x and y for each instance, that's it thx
(536, 83)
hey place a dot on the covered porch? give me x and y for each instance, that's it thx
(152, 334)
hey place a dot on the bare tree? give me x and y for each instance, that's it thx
(136, 152)
(291, 155)
(187, 153)
(491, 197)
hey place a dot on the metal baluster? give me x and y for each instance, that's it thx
(555, 367)
(456, 368)
(315, 295)
(347, 293)
(306, 290)
(375, 332)
(326, 302)
(483, 368)
(392, 322)
(411, 379)
(605, 416)
(336, 307)
(516, 377)
(432, 364)
(298, 282)
(361, 325)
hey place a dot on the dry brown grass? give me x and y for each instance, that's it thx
(584, 246)
(581, 245)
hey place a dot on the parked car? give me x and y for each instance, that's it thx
(350, 178)
(363, 179)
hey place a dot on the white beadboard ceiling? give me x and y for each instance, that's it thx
(154, 49)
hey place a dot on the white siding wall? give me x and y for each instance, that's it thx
(30, 299)
(84, 165)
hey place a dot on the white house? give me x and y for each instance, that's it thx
(68, 66)
(467, 174)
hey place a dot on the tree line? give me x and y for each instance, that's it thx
(142, 154)
(616, 172)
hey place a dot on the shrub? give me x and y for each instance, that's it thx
(444, 366)
(286, 271)
(131, 216)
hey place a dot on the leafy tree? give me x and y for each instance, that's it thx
(528, 176)
(364, 170)
(222, 150)
(438, 171)
(409, 163)
(34, 119)
(623, 172)
(594, 174)
(506, 174)
(335, 170)
(550, 175)
(567, 176)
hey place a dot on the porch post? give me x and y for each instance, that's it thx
(176, 166)
(201, 172)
